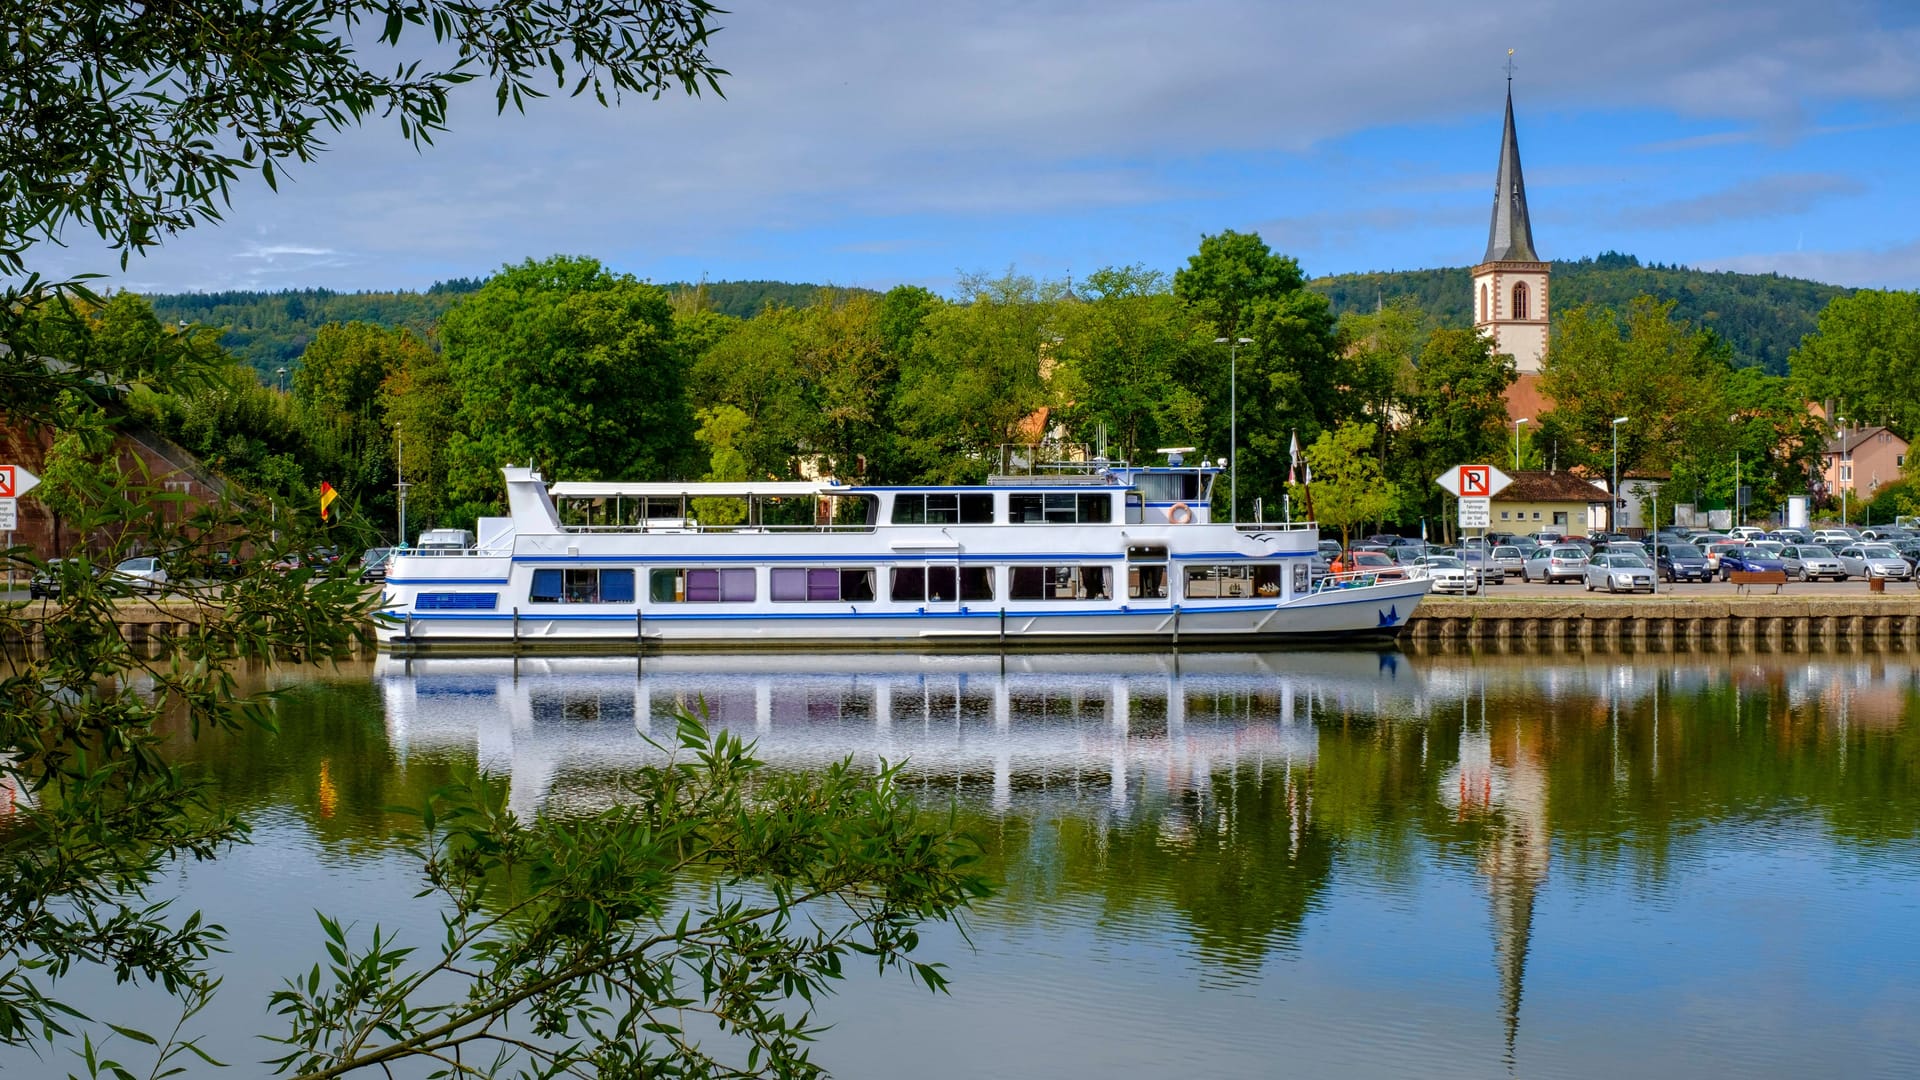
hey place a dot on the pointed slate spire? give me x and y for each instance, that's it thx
(1510, 239)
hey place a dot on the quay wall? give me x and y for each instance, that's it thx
(1677, 622)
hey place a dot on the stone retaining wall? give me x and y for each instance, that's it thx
(1664, 622)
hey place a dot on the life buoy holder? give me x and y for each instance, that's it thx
(1180, 513)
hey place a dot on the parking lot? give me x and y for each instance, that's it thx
(1515, 589)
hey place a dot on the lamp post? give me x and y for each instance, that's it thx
(1613, 508)
(1846, 462)
(1233, 421)
(282, 372)
(1516, 440)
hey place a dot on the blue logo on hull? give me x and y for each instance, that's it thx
(1391, 616)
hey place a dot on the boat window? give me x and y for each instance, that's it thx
(937, 583)
(792, 583)
(456, 601)
(701, 586)
(1059, 583)
(1169, 487)
(943, 508)
(1146, 582)
(1060, 508)
(1232, 581)
(581, 586)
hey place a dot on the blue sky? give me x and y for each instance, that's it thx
(873, 143)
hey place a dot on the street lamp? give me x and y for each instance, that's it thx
(1516, 440)
(1847, 461)
(1233, 421)
(283, 379)
(1612, 525)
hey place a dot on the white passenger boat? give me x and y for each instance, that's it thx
(1093, 553)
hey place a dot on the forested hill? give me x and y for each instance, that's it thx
(1762, 316)
(271, 329)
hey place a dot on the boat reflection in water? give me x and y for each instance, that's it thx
(559, 729)
(1214, 805)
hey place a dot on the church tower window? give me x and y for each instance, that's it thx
(1486, 313)
(1520, 301)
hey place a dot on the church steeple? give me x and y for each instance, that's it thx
(1510, 239)
(1510, 285)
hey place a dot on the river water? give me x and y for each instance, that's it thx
(1304, 864)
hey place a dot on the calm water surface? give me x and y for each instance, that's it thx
(1338, 864)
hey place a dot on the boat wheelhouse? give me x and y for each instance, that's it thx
(1094, 553)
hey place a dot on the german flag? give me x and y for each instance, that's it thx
(327, 495)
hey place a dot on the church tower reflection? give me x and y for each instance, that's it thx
(1501, 777)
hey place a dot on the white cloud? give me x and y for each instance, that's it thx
(1895, 267)
(879, 110)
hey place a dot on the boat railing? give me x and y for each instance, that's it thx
(1278, 526)
(1354, 579)
(682, 527)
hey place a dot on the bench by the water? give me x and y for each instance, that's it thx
(1743, 578)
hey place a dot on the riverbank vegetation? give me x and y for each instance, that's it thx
(593, 374)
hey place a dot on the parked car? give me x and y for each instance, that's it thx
(1886, 532)
(1449, 574)
(1367, 560)
(1875, 560)
(1747, 557)
(1704, 540)
(1791, 536)
(1509, 559)
(1626, 547)
(1811, 562)
(1617, 570)
(1481, 560)
(143, 573)
(1908, 549)
(373, 564)
(1832, 537)
(1716, 551)
(45, 582)
(1561, 562)
(1747, 532)
(1683, 562)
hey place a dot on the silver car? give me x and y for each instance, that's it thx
(1811, 562)
(146, 574)
(1509, 559)
(1561, 562)
(1614, 571)
(1875, 560)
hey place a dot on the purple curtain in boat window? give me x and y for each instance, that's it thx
(736, 586)
(703, 585)
(788, 583)
(823, 584)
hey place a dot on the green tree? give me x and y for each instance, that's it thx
(972, 382)
(1348, 488)
(1289, 374)
(567, 364)
(1864, 359)
(1666, 377)
(1117, 358)
(1456, 413)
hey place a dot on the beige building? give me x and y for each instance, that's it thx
(1861, 460)
(1548, 502)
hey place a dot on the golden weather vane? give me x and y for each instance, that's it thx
(1509, 69)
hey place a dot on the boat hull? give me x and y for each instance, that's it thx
(1360, 612)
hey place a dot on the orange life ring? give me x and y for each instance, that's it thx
(1180, 513)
